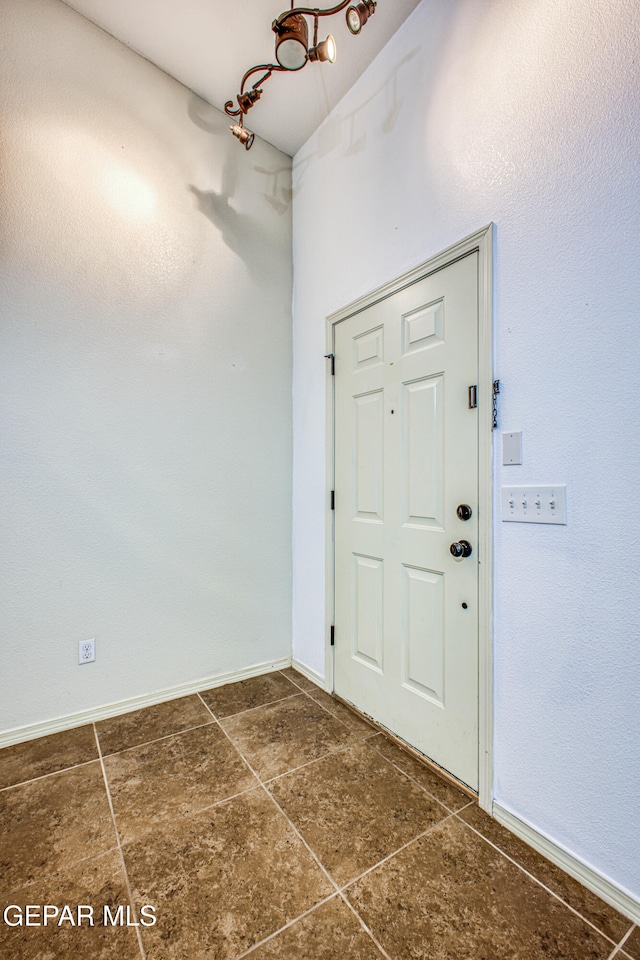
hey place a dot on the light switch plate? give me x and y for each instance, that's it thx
(511, 448)
(535, 504)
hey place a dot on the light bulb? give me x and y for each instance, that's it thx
(353, 20)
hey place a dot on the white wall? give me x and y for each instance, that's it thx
(526, 114)
(145, 377)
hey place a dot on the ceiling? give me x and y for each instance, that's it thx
(209, 44)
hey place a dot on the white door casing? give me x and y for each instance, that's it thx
(405, 451)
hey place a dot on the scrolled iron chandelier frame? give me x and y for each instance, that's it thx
(293, 53)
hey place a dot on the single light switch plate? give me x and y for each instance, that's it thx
(535, 504)
(511, 448)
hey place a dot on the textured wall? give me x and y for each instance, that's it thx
(145, 376)
(525, 114)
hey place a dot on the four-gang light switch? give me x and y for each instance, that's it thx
(533, 504)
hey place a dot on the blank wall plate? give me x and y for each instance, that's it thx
(511, 448)
(535, 504)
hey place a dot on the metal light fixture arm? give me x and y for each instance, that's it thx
(294, 37)
(269, 68)
(312, 12)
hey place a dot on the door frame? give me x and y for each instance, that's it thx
(482, 243)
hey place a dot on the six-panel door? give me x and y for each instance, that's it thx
(406, 455)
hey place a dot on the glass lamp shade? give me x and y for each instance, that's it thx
(293, 42)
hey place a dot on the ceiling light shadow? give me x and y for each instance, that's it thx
(249, 237)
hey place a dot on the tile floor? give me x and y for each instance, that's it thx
(264, 819)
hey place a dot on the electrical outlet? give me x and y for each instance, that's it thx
(86, 651)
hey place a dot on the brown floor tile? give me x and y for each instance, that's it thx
(284, 735)
(632, 946)
(160, 720)
(353, 808)
(599, 913)
(331, 932)
(25, 761)
(445, 792)
(450, 895)
(299, 679)
(53, 823)
(152, 784)
(247, 694)
(223, 880)
(95, 883)
(358, 726)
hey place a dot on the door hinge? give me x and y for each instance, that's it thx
(330, 356)
(333, 499)
(496, 391)
(473, 397)
(333, 635)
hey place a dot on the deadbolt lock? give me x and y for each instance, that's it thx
(462, 548)
(464, 512)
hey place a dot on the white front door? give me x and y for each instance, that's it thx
(406, 457)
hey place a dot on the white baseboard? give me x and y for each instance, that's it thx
(21, 734)
(309, 674)
(584, 874)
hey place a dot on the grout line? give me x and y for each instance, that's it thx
(65, 869)
(285, 773)
(299, 835)
(241, 713)
(364, 926)
(417, 782)
(85, 763)
(179, 817)
(362, 736)
(617, 951)
(539, 882)
(286, 926)
(206, 706)
(296, 683)
(199, 810)
(339, 890)
(626, 937)
(293, 827)
(315, 858)
(373, 730)
(277, 805)
(310, 763)
(122, 860)
(390, 856)
(146, 743)
(291, 697)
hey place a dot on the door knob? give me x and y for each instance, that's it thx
(462, 548)
(464, 511)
